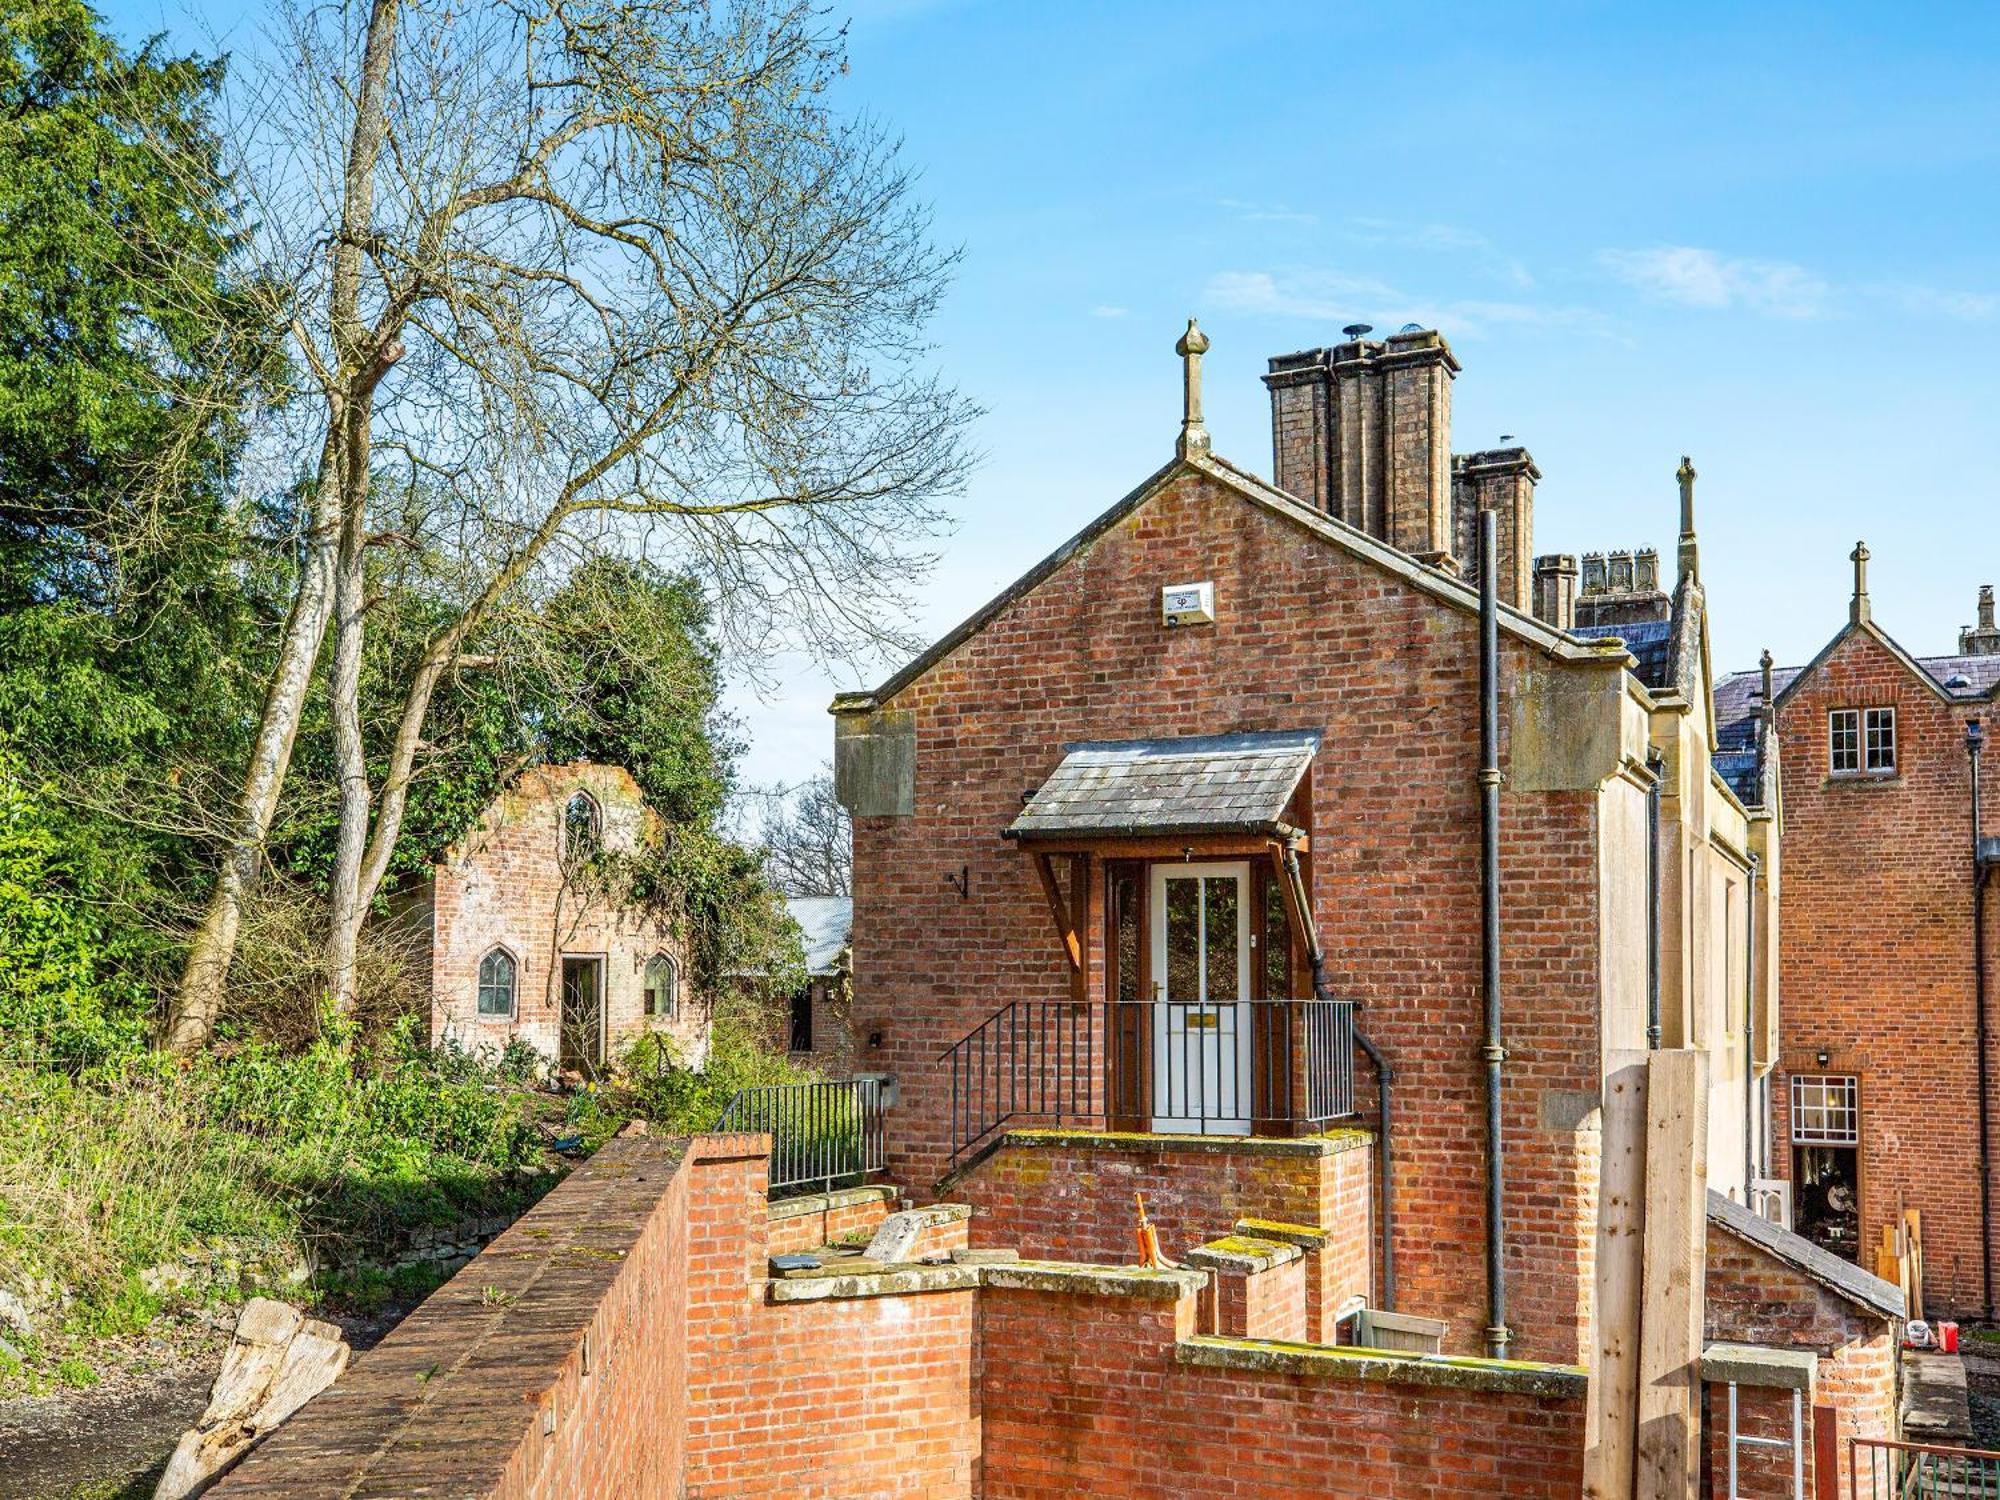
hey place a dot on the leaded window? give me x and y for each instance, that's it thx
(663, 986)
(496, 983)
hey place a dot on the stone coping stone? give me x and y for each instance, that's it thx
(1935, 1406)
(1328, 1362)
(890, 1281)
(818, 1203)
(1759, 1364)
(1089, 1280)
(1013, 1276)
(1305, 1236)
(1243, 1255)
(1328, 1143)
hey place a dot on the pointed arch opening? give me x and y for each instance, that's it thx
(663, 987)
(497, 975)
(583, 827)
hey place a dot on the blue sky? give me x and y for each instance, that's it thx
(1763, 235)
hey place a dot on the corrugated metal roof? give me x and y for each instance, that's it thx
(828, 925)
(1207, 784)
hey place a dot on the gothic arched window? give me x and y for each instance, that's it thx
(663, 986)
(496, 983)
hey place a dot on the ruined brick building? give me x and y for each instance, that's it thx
(1883, 1070)
(529, 940)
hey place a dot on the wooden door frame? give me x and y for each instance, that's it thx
(603, 1038)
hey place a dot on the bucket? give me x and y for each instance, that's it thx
(1947, 1337)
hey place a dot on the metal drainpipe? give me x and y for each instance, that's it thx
(1316, 958)
(1749, 1034)
(1491, 1050)
(1657, 764)
(1975, 741)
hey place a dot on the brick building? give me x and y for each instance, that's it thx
(1879, 1079)
(1231, 721)
(528, 939)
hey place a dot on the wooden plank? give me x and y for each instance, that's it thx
(1065, 928)
(1195, 846)
(1676, 1266)
(1913, 1222)
(1611, 1426)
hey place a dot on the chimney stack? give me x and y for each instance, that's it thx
(1982, 639)
(1501, 480)
(1555, 590)
(1362, 431)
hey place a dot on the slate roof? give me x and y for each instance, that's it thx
(1650, 642)
(1227, 783)
(828, 925)
(1841, 1277)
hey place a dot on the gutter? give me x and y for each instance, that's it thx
(1657, 764)
(1492, 1049)
(1384, 1161)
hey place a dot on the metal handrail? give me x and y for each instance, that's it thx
(1289, 1063)
(823, 1135)
(1920, 1471)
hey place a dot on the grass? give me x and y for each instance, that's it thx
(275, 1158)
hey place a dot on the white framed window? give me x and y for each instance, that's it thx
(496, 984)
(1878, 740)
(1861, 741)
(1826, 1109)
(663, 986)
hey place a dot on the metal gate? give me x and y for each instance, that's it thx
(1878, 1469)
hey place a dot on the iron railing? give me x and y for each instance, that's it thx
(1878, 1469)
(1261, 1067)
(823, 1135)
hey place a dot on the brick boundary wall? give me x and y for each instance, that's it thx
(821, 1218)
(1068, 1195)
(552, 1366)
(623, 1338)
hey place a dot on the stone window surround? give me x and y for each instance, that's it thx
(481, 984)
(673, 1005)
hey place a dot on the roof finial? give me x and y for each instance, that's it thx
(1191, 346)
(1690, 553)
(1764, 661)
(1859, 611)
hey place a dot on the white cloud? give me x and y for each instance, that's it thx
(1106, 310)
(1338, 298)
(1689, 276)
(1941, 302)
(1268, 213)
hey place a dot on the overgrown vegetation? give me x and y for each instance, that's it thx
(316, 533)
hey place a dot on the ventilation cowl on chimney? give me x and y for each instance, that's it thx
(1982, 639)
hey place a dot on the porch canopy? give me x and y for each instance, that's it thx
(1200, 785)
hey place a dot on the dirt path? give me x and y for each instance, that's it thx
(97, 1444)
(111, 1442)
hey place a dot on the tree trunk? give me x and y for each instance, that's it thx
(347, 906)
(198, 999)
(348, 391)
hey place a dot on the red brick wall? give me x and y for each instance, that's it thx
(1761, 1412)
(867, 1396)
(1262, 1305)
(1073, 1199)
(1083, 1396)
(1753, 1298)
(796, 1232)
(1876, 955)
(1306, 638)
(554, 1362)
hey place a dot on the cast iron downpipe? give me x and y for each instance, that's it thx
(1657, 764)
(1750, 1033)
(1316, 958)
(1494, 1053)
(1975, 741)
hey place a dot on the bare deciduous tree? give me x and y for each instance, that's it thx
(572, 275)
(806, 839)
